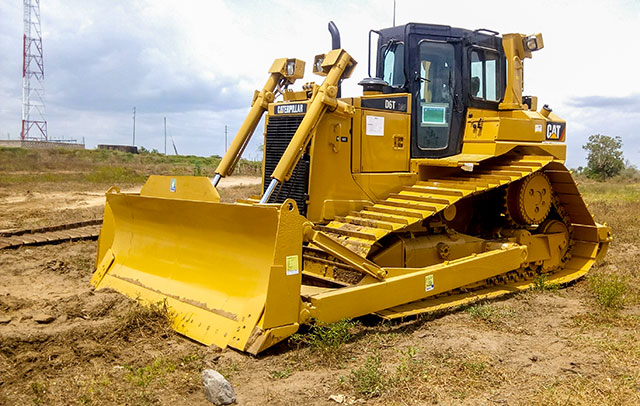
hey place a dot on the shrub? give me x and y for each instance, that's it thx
(327, 338)
(609, 290)
(369, 380)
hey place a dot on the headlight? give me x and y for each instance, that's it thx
(291, 68)
(531, 43)
(317, 65)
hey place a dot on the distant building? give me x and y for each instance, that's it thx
(124, 148)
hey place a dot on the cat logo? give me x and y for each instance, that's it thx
(555, 131)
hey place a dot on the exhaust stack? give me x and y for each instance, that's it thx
(335, 44)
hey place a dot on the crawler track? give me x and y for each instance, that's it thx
(83, 230)
(362, 230)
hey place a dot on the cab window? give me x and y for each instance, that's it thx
(484, 75)
(436, 94)
(392, 69)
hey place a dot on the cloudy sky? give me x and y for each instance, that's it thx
(198, 62)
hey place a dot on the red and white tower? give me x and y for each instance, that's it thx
(34, 125)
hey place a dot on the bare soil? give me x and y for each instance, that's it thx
(39, 204)
(61, 343)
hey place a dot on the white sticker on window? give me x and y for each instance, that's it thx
(375, 125)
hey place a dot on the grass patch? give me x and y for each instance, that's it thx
(490, 312)
(541, 284)
(145, 320)
(581, 390)
(228, 368)
(609, 290)
(40, 391)
(408, 367)
(369, 379)
(115, 174)
(327, 338)
(281, 373)
(40, 177)
(143, 376)
(610, 192)
(19, 165)
(428, 379)
(607, 319)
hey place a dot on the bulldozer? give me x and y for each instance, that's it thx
(439, 186)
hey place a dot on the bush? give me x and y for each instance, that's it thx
(327, 338)
(369, 379)
(609, 290)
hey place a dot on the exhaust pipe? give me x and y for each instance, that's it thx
(335, 44)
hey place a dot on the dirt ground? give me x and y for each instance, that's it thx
(41, 203)
(61, 343)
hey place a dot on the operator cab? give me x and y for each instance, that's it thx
(446, 70)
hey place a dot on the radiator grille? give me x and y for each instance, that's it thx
(280, 130)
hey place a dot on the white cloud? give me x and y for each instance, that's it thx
(198, 61)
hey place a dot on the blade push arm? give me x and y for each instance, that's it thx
(283, 72)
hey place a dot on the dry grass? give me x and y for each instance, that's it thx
(233, 193)
(20, 166)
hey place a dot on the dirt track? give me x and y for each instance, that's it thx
(62, 343)
(23, 206)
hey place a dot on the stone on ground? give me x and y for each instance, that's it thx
(217, 389)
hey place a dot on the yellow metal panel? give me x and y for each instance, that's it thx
(386, 148)
(380, 185)
(332, 208)
(356, 301)
(105, 240)
(495, 133)
(455, 301)
(180, 187)
(270, 337)
(282, 305)
(333, 191)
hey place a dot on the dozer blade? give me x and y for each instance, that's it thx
(228, 273)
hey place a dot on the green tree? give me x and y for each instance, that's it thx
(604, 156)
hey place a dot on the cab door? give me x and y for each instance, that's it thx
(438, 113)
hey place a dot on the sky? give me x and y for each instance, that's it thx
(197, 62)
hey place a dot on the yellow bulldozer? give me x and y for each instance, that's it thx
(438, 186)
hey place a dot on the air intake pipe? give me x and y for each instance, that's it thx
(335, 44)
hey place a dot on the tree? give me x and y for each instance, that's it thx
(604, 156)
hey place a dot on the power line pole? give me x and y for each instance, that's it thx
(225, 138)
(134, 126)
(165, 136)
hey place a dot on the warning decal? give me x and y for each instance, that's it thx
(292, 265)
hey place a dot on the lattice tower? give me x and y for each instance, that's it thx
(34, 124)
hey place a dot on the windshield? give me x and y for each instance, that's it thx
(392, 68)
